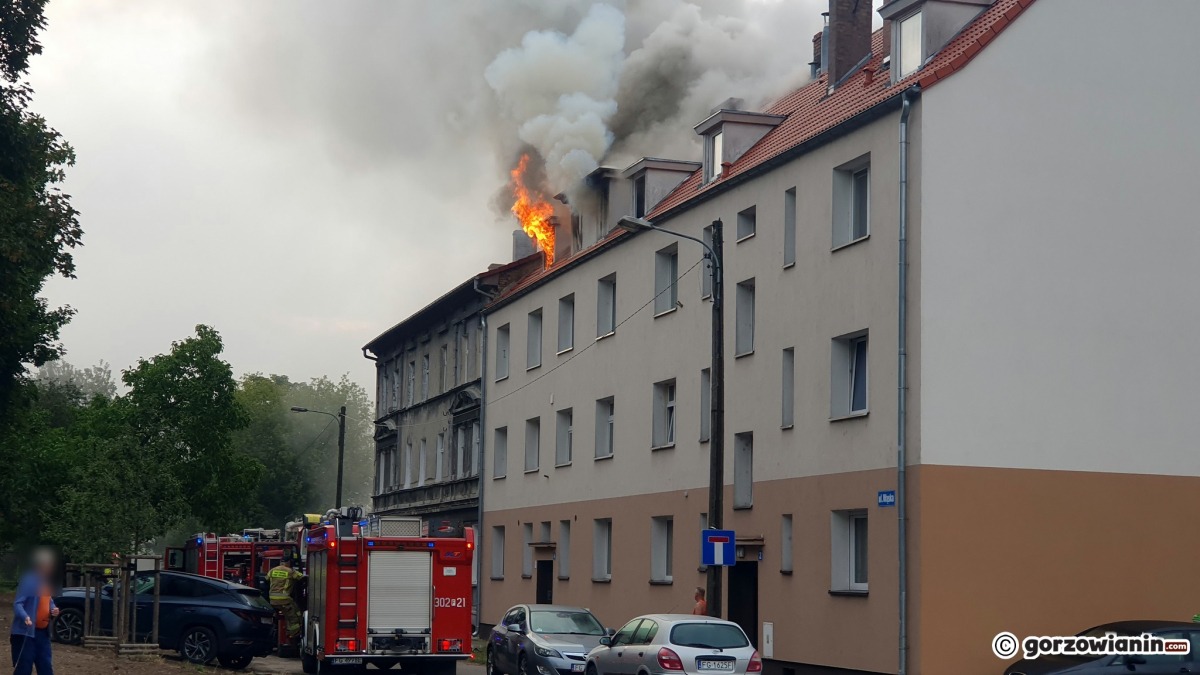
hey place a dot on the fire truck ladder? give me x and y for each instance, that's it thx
(211, 562)
(347, 581)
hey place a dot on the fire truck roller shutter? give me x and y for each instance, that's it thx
(400, 591)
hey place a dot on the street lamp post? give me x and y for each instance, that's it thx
(716, 440)
(341, 418)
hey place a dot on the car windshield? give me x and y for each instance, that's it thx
(708, 636)
(565, 622)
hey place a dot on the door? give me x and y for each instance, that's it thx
(613, 661)
(639, 655)
(545, 582)
(743, 597)
(513, 639)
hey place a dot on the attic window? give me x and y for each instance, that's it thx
(713, 157)
(908, 45)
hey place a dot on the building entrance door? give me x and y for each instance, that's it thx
(743, 597)
(545, 582)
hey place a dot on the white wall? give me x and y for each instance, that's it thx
(1060, 245)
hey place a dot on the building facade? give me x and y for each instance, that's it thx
(1048, 254)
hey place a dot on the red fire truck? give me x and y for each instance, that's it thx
(242, 559)
(379, 592)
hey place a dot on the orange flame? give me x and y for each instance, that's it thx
(533, 211)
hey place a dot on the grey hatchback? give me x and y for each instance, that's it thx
(675, 643)
(543, 640)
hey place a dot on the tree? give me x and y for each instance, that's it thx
(90, 382)
(287, 483)
(315, 437)
(38, 225)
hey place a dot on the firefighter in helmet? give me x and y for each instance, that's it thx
(282, 578)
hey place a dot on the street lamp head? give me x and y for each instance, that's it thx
(299, 409)
(631, 224)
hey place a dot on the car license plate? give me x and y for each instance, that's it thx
(713, 664)
(576, 667)
(345, 661)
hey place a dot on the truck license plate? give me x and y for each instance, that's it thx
(345, 661)
(576, 667)
(710, 664)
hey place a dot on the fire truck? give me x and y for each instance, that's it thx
(242, 559)
(380, 592)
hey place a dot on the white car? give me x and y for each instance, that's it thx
(657, 644)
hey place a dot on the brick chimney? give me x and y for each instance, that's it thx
(849, 36)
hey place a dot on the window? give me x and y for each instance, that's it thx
(743, 470)
(852, 202)
(706, 279)
(705, 404)
(544, 532)
(476, 449)
(788, 389)
(526, 550)
(645, 632)
(849, 376)
(464, 350)
(785, 543)
(744, 327)
(663, 433)
(639, 196)
(747, 223)
(412, 381)
(789, 228)
(440, 459)
(422, 463)
(606, 305)
(425, 377)
(533, 351)
(662, 544)
(502, 334)
(563, 550)
(566, 323)
(500, 453)
(605, 412)
(444, 368)
(849, 539)
(564, 437)
(666, 274)
(909, 45)
(497, 551)
(533, 432)
(395, 400)
(713, 156)
(408, 451)
(602, 549)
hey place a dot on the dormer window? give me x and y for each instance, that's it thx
(714, 156)
(742, 129)
(908, 48)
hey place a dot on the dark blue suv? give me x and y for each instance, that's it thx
(202, 618)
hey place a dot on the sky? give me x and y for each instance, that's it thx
(303, 175)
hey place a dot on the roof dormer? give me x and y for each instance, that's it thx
(653, 179)
(728, 134)
(920, 28)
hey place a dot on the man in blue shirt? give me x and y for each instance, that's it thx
(33, 612)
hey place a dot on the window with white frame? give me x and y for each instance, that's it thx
(412, 382)
(743, 470)
(440, 458)
(566, 323)
(908, 45)
(502, 349)
(666, 274)
(499, 453)
(605, 414)
(563, 549)
(747, 223)
(425, 377)
(852, 201)
(705, 404)
(602, 549)
(526, 550)
(395, 401)
(849, 375)
(662, 548)
(744, 319)
(606, 305)
(789, 227)
(787, 394)
(706, 279)
(497, 551)
(422, 464)
(408, 452)
(533, 344)
(564, 436)
(663, 432)
(785, 543)
(544, 533)
(848, 536)
(714, 154)
(444, 369)
(533, 440)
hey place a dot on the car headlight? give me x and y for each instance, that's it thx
(547, 653)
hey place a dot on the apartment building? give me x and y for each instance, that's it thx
(1041, 153)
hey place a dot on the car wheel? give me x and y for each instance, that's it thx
(308, 663)
(591, 669)
(68, 627)
(523, 666)
(492, 668)
(199, 645)
(235, 662)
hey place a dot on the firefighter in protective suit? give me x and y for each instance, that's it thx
(281, 579)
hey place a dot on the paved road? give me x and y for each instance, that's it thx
(277, 666)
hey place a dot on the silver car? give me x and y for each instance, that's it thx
(675, 643)
(543, 640)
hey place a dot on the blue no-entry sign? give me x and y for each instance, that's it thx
(718, 547)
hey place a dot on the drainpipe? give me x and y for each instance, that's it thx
(479, 545)
(902, 386)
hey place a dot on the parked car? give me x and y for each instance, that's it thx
(680, 643)
(202, 618)
(543, 640)
(1101, 664)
